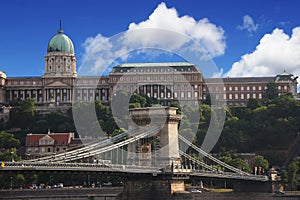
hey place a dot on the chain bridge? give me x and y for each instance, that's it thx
(152, 147)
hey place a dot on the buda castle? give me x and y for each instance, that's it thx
(60, 85)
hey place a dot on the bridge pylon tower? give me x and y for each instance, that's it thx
(161, 149)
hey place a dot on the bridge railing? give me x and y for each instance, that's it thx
(111, 167)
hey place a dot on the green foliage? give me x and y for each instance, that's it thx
(8, 141)
(253, 103)
(8, 147)
(117, 132)
(268, 129)
(134, 105)
(291, 175)
(239, 163)
(9, 155)
(260, 161)
(271, 92)
(22, 114)
(138, 99)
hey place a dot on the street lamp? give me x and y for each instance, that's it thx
(12, 156)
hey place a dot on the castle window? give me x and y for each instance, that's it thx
(196, 94)
(236, 96)
(242, 96)
(182, 95)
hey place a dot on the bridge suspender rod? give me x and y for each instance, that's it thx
(114, 146)
(87, 148)
(197, 161)
(96, 151)
(212, 158)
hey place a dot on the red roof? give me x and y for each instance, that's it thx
(33, 139)
(59, 138)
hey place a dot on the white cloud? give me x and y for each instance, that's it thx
(210, 36)
(275, 53)
(248, 25)
(152, 33)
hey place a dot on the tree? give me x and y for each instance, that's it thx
(240, 164)
(271, 92)
(136, 98)
(8, 147)
(260, 161)
(253, 103)
(8, 141)
(22, 114)
(292, 174)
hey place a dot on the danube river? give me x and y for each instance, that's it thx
(115, 193)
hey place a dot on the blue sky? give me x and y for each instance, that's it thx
(244, 38)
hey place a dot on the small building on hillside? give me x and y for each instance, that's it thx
(40, 145)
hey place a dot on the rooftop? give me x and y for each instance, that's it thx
(60, 138)
(158, 64)
(240, 79)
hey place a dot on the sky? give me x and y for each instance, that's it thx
(242, 38)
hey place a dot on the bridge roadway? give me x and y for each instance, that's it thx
(123, 169)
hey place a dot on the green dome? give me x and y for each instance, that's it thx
(60, 43)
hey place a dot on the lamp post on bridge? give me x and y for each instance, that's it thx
(12, 156)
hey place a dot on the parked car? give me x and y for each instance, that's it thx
(196, 191)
